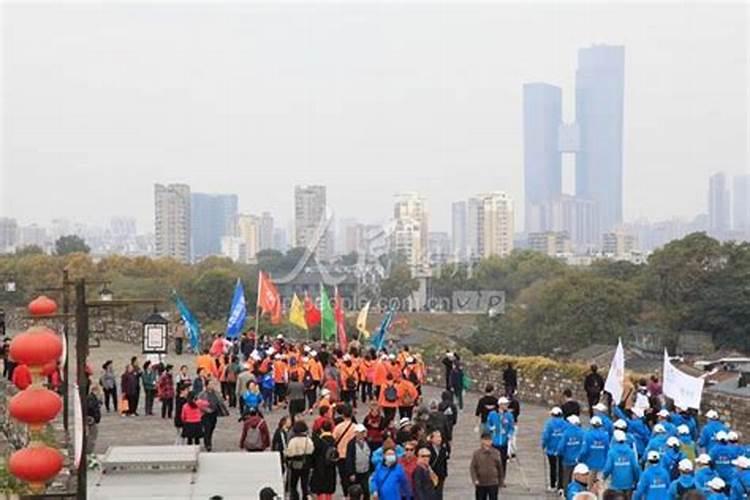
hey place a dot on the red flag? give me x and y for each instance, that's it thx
(338, 313)
(269, 300)
(312, 313)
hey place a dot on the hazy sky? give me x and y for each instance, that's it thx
(99, 102)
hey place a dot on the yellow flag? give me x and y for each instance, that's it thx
(297, 313)
(362, 321)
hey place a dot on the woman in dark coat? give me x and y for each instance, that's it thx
(130, 389)
(323, 477)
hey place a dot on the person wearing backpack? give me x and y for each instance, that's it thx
(323, 480)
(299, 453)
(255, 435)
(343, 433)
(357, 463)
(308, 382)
(388, 399)
(407, 397)
(349, 381)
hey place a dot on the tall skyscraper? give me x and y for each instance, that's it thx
(459, 227)
(741, 203)
(472, 228)
(574, 216)
(542, 118)
(249, 228)
(8, 234)
(495, 224)
(310, 220)
(266, 231)
(172, 221)
(212, 217)
(600, 83)
(718, 205)
(411, 222)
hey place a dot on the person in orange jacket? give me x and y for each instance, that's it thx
(389, 399)
(349, 380)
(407, 397)
(380, 374)
(366, 371)
(280, 379)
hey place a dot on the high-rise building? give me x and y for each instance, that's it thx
(311, 220)
(266, 231)
(406, 243)
(575, 216)
(172, 221)
(249, 231)
(618, 243)
(542, 119)
(551, 243)
(32, 235)
(600, 83)
(410, 216)
(741, 204)
(459, 228)
(495, 224)
(472, 228)
(438, 247)
(234, 248)
(212, 217)
(8, 234)
(718, 205)
(280, 240)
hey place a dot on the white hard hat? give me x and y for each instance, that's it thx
(703, 459)
(313, 353)
(503, 401)
(716, 484)
(306, 348)
(620, 436)
(581, 469)
(673, 441)
(685, 465)
(712, 415)
(277, 356)
(620, 424)
(683, 429)
(659, 429)
(360, 428)
(663, 413)
(733, 436)
(573, 419)
(392, 356)
(279, 336)
(347, 357)
(600, 407)
(556, 411)
(721, 436)
(742, 462)
(596, 421)
(325, 392)
(270, 351)
(653, 456)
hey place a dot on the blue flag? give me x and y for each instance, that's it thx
(191, 324)
(237, 313)
(378, 338)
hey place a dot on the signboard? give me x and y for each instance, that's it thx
(490, 302)
(154, 338)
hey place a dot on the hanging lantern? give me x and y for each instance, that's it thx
(35, 407)
(36, 466)
(36, 347)
(42, 306)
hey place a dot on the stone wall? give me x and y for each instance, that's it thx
(13, 434)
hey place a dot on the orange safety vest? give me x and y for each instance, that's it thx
(380, 373)
(407, 393)
(280, 372)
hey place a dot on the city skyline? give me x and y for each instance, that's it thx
(460, 134)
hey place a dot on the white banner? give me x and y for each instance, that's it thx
(616, 376)
(77, 427)
(684, 389)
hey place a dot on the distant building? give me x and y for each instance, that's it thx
(310, 221)
(32, 235)
(572, 215)
(459, 228)
(551, 243)
(266, 231)
(280, 240)
(542, 118)
(472, 228)
(600, 85)
(172, 221)
(8, 234)
(741, 204)
(495, 224)
(234, 248)
(718, 205)
(411, 231)
(438, 248)
(618, 244)
(248, 232)
(212, 217)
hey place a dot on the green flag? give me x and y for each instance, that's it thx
(328, 321)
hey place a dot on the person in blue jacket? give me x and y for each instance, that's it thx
(672, 457)
(252, 398)
(722, 454)
(595, 446)
(622, 465)
(708, 433)
(570, 447)
(684, 417)
(377, 456)
(716, 488)
(663, 418)
(705, 471)
(654, 483)
(734, 442)
(740, 486)
(630, 440)
(640, 431)
(600, 410)
(687, 445)
(553, 431)
(389, 481)
(501, 425)
(685, 482)
(579, 482)
(658, 440)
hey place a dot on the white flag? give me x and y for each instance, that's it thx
(684, 389)
(616, 375)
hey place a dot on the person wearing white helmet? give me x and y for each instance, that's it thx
(716, 488)
(685, 482)
(551, 435)
(600, 410)
(740, 485)
(595, 447)
(722, 454)
(655, 481)
(622, 465)
(581, 477)
(663, 417)
(704, 471)
(687, 445)
(570, 447)
(671, 457)
(658, 439)
(714, 425)
(501, 425)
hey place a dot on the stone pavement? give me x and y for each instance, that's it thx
(529, 469)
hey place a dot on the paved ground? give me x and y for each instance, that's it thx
(143, 430)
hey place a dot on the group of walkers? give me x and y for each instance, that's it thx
(642, 449)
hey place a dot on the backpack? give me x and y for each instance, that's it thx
(307, 380)
(413, 378)
(351, 384)
(332, 453)
(253, 439)
(391, 394)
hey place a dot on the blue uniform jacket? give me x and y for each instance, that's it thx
(501, 426)
(706, 441)
(622, 466)
(654, 484)
(595, 448)
(570, 445)
(704, 475)
(390, 483)
(722, 456)
(680, 485)
(553, 431)
(740, 488)
(573, 489)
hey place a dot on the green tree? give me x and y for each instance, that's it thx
(29, 250)
(70, 244)
(399, 284)
(211, 294)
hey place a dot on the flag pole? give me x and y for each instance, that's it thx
(257, 313)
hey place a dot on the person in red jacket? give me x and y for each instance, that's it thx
(22, 377)
(255, 435)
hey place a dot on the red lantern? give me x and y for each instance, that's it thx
(36, 347)
(42, 306)
(49, 368)
(36, 465)
(35, 406)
